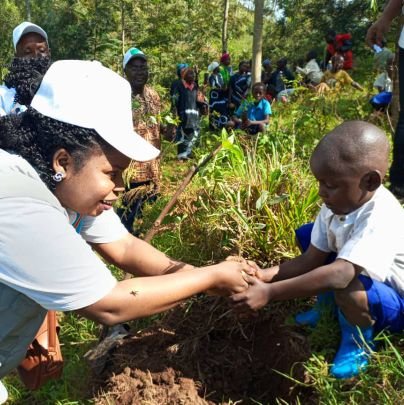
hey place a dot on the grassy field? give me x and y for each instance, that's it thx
(246, 201)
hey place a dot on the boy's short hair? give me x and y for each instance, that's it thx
(258, 84)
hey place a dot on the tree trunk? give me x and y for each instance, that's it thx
(257, 41)
(28, 9)
(395, 102)
(224, 27)
(123, 26)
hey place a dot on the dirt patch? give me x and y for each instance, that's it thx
(200, 353)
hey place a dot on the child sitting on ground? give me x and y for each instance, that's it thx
(252, 116)
(336, 78)
(311, 72)
(362, 223)
(384, 85)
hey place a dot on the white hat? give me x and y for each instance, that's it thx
(213, 66)
(89, 95)
(132, 53)
(25, 28)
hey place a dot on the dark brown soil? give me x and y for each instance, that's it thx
(200, 353)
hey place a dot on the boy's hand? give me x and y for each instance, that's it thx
(266, 275)
(254, 298)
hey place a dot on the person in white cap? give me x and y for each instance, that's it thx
(144, 177)
(32, 54)
(61, 162)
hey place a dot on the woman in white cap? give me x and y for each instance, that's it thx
(61, 162)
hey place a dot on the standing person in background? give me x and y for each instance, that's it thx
(375, 36)
(339, 44)
(143, 177)
(186, 104)
(240, 84)
(31, 44)
(218, 101)
(225, 69)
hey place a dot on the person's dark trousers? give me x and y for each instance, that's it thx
(397, 166)
(130, 210)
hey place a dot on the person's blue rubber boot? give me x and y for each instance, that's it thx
(325, 302)
(353, 354)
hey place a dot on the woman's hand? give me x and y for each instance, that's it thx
(255, 297)
(231, 277)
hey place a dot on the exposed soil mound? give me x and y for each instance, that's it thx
(200, 353)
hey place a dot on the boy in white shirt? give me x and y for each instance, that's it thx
(363, 224)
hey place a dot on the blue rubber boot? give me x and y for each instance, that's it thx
(325, 302)
(353, 353)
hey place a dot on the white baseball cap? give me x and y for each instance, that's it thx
(213, 66)
(89, 95)
(132, 53)
(25, 28)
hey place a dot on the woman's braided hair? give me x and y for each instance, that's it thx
(25, 75)
(36, 138)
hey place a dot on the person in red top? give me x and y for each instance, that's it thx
(340, 44)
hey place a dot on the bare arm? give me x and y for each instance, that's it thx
(334, 276)
(137, 257)
(356, 85)
(138, 297)
(264, 121)
(307, 261)
(382, 25)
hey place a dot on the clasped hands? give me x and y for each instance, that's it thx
(254, 292)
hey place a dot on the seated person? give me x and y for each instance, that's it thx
(381, 56)
(336, 78)
(240, 84)
(363, 224)
(280, 83)
(253, 116)
(384, 85)
(311, 72)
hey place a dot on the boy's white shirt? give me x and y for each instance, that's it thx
(371, 237)
(41, 254)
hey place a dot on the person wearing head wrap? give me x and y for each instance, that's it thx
(225, 68)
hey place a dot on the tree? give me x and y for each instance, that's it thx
(257, 40)
(225, 22)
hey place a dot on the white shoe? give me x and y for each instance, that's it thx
(3, 393)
